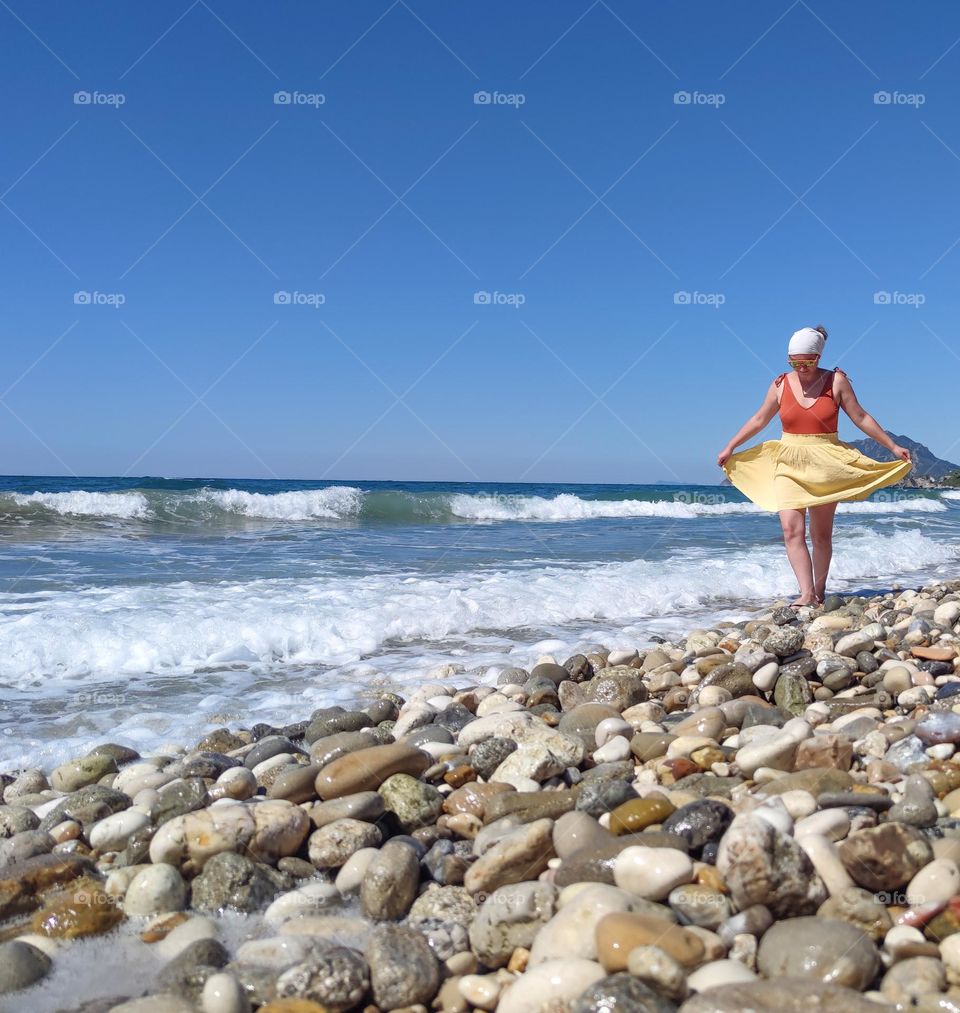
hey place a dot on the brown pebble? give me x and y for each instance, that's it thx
(86, 910)
(618, 933)
(707, 875)
(460, 776)
(518, 960)
(164, 925)
(639, 813)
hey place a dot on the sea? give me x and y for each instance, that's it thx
(149, 611)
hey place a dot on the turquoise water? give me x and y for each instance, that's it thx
(146, 610)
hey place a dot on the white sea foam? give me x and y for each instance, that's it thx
(332, 503)
(179, 628)
(902, 505)
(951, 494)
(569, 507)
(78, 503)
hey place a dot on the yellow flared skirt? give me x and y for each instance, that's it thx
(800, 471)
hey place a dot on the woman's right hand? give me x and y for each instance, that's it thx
(723, 456)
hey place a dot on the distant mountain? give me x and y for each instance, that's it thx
(925, 462)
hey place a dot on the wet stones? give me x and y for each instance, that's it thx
(784, 641)
(403, 968)
(21, 965)
(761, 865)
(639, 813)
(229, 880)
(414, 803)
(699, 823)
(337, 978)
(509, 918)
(390, 883)
(522, 854)
(333, 844)
(617, 934)
(886, 857)
(367, 769)
(821, 949)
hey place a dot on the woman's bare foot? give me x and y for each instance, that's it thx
(806, 599)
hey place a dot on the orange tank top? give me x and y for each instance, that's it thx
(820, 417)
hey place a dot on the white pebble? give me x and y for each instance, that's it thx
(651, 873)
(799, 803)
(310, 898)
(179, 938)
(765, 677)
(614, 751)
(354, 869)
(480, 990)
(113, 832)
(935, 883)
(774, 812)
(719, 972)
(610, 727)
(831, 823)
(821, 851)
(157, 889)
(222, 993)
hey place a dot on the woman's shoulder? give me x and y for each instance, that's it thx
(777, 380)
(839, 372)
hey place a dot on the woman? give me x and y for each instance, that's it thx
(809, 468)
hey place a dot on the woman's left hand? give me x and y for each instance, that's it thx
(902, 453)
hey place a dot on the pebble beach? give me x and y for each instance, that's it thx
(762, 814)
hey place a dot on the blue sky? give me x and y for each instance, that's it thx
(646, 257)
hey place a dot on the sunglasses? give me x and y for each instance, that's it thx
(802, 362)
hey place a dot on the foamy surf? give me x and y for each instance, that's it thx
(79, 503)
(333, 503)
(118, 631)
(342, 504)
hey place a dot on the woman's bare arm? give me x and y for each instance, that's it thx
(863, 420)
(754, 424)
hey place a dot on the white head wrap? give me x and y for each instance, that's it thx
(806, 341)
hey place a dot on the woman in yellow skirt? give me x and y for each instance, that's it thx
(809, 467)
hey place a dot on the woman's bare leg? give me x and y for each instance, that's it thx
(794, 524)
(821, 536)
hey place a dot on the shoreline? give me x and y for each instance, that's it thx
(665, 828)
